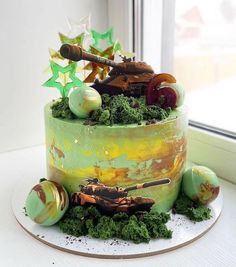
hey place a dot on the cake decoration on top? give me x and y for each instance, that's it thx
(132, 92)
(84, 100)
(88, 40)
(82, 62)
(67, 74)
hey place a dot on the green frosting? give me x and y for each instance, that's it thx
(121, 155)
(193, 210)
(139, 227)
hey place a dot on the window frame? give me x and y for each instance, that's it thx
(207, 145)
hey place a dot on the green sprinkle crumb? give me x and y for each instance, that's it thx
(199, 214)
(117, 109)
(60, 109)
(138, 228)
(121, 109)
(162, 99)
(135, 231)
(193, 210)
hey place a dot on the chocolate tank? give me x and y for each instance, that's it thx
(115, 199)
(129, 78)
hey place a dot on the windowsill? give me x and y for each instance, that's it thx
(20, 249)
(214, 151)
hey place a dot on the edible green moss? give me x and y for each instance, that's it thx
(60, 109)
(118, 109)
(126, 110)
(193, 210)
(139, 227)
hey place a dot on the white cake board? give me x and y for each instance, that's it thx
(184, 232)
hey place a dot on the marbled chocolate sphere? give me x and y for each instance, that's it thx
(83, 100)
(46, 203)
(201, 184)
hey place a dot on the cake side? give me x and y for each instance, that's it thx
(121, 155)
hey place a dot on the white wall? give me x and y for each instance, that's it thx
(120, 18)
(28, 28)
(152, 33)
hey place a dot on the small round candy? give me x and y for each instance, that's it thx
(165, 96)
(201, 184)
(46, 203)
(83, 100)
(179, 92)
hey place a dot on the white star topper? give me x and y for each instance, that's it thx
(77, 27)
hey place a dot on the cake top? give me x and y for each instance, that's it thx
(100, 90)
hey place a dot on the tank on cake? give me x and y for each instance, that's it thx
(115, 199)
(128, 77)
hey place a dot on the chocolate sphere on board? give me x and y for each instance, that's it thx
(46, 203)
(201, 184)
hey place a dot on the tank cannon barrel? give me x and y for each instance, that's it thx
(148, 184)
(76, 53)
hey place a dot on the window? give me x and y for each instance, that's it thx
(196, 41)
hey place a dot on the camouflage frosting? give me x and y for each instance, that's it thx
(119, 155)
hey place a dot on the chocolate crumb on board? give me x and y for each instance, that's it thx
(25, 212)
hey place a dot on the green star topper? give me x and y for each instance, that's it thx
(78, 40)
(67, 78)
(98, 36)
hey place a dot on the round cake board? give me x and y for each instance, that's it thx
(184, 232)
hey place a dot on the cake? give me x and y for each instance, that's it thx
(116, 150)
(119, 155)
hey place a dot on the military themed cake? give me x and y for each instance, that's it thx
(116, 147)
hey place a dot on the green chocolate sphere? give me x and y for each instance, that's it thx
(83, 100)
(46, 203)
(200, 184)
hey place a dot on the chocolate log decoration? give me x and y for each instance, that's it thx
(76, 53)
